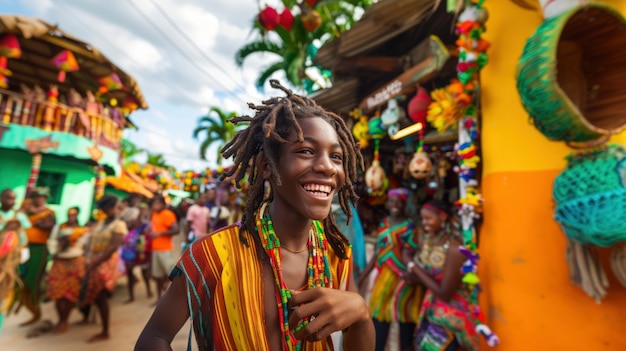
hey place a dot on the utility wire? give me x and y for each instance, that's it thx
(181, 51)
(196, 47)
(76, 17)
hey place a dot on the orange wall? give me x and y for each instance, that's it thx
(527, 296)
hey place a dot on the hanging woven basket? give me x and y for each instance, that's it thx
(590, 196)
(572, 75)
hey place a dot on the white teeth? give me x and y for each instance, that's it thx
(318, 189)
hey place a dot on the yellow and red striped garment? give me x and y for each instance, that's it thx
(225, 292)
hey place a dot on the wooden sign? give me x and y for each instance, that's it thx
(422, 71)
(35, 146)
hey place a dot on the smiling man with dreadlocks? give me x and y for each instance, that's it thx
(282, 279)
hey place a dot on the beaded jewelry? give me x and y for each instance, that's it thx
(318, 269)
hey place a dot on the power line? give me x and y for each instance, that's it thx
(195, 46)
(114, 46)
(181, 51)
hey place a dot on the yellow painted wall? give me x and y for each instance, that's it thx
(527, 295)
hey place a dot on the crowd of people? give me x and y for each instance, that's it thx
(77, 265)
(285, 277)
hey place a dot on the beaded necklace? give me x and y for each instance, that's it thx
(318, 269)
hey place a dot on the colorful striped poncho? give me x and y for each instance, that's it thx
(392, 299)
(225, 292)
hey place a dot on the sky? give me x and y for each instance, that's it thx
(183, 61)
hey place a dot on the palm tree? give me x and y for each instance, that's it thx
(129, 151)
(217, 129)
(294, 48)
(157, 160)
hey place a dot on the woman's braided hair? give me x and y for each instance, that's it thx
(267, 131)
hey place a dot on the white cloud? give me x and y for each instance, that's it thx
(179, 83)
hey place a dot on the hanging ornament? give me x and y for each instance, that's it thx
(391, 116)
(268, 18)
(9, 48)
(418, 106)
(285, 19)
(375, 174)
(376, 128)
(110, 83)
(420, 165)
(35, 166)
(65, 62)
(311, 20)
(100, 182)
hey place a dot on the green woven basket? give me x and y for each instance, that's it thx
(590, 196)
(572, 75)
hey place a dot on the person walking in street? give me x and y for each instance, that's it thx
(42, 220)
(137, 251)
(68, 267)
(198, 216)
(102, 261)
(163, 225)
(283, 279)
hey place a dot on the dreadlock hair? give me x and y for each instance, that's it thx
(266, 132)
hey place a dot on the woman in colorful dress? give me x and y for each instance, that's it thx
(42, 221)
(102, 261)
(393, 298)
(446, 322)
(68, 267)
(12, 241)
(136, 251)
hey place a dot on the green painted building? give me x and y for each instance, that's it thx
(72, 125)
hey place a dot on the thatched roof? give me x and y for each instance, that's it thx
(41, 41)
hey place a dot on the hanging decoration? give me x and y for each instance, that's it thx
(449, 105)
(375, 176)
(285, 19)
(65, 62)
(9, 48)
(360, 130)
(100, 182)
(391, 116)
(472, 58)
(35, 166)
(590, 196)
(268, 18)
(311, 19)
(110, 83)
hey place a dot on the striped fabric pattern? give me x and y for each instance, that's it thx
(392, 300)
(225, 292)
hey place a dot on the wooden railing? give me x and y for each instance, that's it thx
(18, 109)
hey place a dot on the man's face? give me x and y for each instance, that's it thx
(40, 200)
(8, 199)
(210, 195)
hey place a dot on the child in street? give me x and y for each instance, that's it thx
(393, 299)
(282, 280)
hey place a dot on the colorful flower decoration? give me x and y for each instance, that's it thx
(472, 58)
(448, 105)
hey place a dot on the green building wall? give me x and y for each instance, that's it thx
(78, 189)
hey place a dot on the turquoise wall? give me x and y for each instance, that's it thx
(79, 180)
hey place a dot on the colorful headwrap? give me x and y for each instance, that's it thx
(430, 206)
(402, 193)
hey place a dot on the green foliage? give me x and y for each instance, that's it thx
(293, 48)
(157, 160)
(215, 128)
(129, 151)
